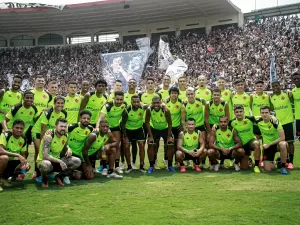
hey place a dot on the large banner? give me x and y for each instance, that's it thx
(272, 69)
(176, 69)
(165, 57)
(16, 5)
(123, 66)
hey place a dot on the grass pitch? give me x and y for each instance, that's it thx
(224, 197)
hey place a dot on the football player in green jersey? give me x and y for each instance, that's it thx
(41, 97)
(182, 84)
(53, 90)
(281, 104)
(101, 145)
(94, 101)
(10, 97)
(164, 91)
(159, 125)
(273, 140)
(79, 132)
(244, 127)
(224, 143)
(225, 94)
(85, 87)
(12, 154)
(134, 132)
(257, 100)
(56, 156)
(72, 104)
(113, 112)
(240, 97)
(118, 86)
(191, 146)
(128, 99)
(26, 112)
(146, 97)
(295, 97)
(203, 91)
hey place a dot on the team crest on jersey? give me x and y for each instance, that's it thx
(226, 93)
(270, 127)
(20, 144)
(221, 110)
(263, 97)
(76, 100)
(195, 138)
(44, 97)
(282, 98)
(86, 133)
(122, 107)
(63, 142)
(30, 113)
(244, 97)
(207, 93)
(140, 114)
(197, 105)
(161, 115)
(228, 135)
(18, 97)
(245, 122)
(177, 106)
(104, 140)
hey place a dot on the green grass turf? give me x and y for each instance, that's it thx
(224, 197)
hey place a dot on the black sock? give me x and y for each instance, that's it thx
(222, 161)
(256, 162)
(203, 161)
(152, 163)
(282, 165)
(129, 167)
(133, 159)
(141, 166)
(117, 162)
(291, 156)
(169, 163)
(165, 156)
(110, 171)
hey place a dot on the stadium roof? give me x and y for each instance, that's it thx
(109, 13)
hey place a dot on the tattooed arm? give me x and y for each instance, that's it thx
(46, 150)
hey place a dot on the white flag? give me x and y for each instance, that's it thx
(165, 57)
(144, 44)
(176, 69)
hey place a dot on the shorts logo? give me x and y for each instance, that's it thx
(195, 138)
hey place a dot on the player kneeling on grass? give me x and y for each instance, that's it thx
(56, 156)
(273, 140)
(188, 146)
(224, 144)
(12, 146)
(101, 145)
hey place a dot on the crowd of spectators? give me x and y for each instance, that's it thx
(233, 52)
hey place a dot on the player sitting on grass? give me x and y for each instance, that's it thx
(101, 145)
(12, 146)
(191, 146)
(56, 156)
(273, 140)
(224, 144)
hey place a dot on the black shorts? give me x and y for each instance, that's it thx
(175, 132)
(248, 147)
(135, 135)
(298, 128)
(29, 136)
(92, 159)
(188, 157)
(289, 132)
(201, 128)
(114, 129)
(10, 169)
(269, 153)
(229, 156)
(157, 134)
(256, 130)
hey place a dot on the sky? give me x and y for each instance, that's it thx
(244, 5)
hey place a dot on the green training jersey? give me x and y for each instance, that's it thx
(72, 107)
(242, 99)
(226, 96)
(175, 111)
(9, 99)
(182, 95)
(113, 113)
(195, 111)
(98, 144)
(48, 118)
(57, 145)
(269, 130)
(224, 139)
(259, 101)
(216, 111)
(77, 137)
(191, 141)
(244, 128)
(111, 97)
(135, 117)
(95, 105)
(51, 103)
(296, 97)
(12, 144)
(41, 100)
(146, 98)
(127, 97)
(158, 119)
(204, 93)
(283, 108)
(19, 112)
(164, 93)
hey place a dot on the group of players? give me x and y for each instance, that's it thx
(70, 133)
